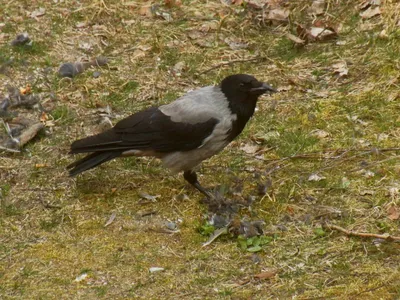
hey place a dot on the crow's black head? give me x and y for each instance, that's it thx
(242, 92)
(242, 87)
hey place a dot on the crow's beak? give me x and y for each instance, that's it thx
(263, 89)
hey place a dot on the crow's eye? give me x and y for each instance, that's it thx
(241, 84)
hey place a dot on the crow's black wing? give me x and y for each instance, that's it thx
(148, 130)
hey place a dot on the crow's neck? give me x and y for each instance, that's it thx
(244, 110)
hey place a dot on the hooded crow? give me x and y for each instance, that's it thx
(183, 133)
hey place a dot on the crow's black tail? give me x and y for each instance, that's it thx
(90, 161)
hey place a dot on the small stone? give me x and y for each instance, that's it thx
(22, 39)
(171, 225)
(67, 70)
(96, 74)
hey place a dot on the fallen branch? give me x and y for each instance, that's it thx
(231, 63)
(386, 236)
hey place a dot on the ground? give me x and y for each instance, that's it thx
(324, 150)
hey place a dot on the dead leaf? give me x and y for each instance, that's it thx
(164, 15)
(321, 33)
(368, 174)
(137, 54)
(318, 32)
(179, 68)
(393, 192)
(266, 274)
(383, 34)
(236, 44)
(37, 13)
(172, 3)
(317, 7)
(278, 14)
(80, 25)
(341, 69)
(242, 282)
(370, 12)
(203, 43)
(367, 192)
(341, 43)
(149, 197)
(259, 4)
(295, 39)
(111, 219)
(210, 26)
(316, 177)
(393, 212)
(322, 94)
(146, 11)
(368, 3)
(195, 34)
(318, 133)
(44, 117)
(81, 277)
(249, 149)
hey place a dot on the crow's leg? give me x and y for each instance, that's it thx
(191, 177)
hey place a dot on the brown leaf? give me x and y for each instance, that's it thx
(340, 69)
(242, 282)
(236, 44)
(367, 192)
(368, 3)
(172, 3)
(37, 13)
(321, 33)
(257, 3)
(111, 219)
(179, 68)
(278, 14)
(237, 2)
(249, 149)
(266, 274)
(393, 212)
(195, 34)
(370, 12)
(146, 11)
(319, 133)
(44, 117)
(295, 39)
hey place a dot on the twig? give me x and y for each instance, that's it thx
(232, 62)
(377, 163)
(386, 237)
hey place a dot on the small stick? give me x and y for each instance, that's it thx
(230, 63)
(386, 237)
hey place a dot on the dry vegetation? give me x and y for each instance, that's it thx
(324, 149)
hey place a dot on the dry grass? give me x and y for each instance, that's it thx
(52, 227)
